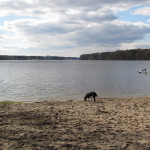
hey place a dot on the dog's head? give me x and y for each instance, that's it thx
(94, 94)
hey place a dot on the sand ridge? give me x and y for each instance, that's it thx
(108, 123)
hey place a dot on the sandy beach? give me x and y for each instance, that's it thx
(107, 124)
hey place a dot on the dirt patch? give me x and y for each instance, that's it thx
(109, 123)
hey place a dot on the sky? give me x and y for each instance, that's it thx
(72, 27)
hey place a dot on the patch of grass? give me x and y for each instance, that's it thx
(8, 102)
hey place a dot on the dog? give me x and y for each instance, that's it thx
(90, 95)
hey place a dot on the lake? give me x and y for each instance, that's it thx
(36, 80)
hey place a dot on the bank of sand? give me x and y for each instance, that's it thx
(109, 123)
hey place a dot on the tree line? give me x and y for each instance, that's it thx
(8, 57)
(133, 54)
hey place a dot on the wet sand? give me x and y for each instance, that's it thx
(107, 124)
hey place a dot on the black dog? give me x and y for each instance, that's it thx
(90, 95)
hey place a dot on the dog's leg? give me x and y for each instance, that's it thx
(91, 98)
(94, 98)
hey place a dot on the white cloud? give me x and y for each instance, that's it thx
(68, 27)
(142, 11)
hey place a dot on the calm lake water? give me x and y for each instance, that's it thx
(46, 80)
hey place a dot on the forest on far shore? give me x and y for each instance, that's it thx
(9, 57)
(133, 54)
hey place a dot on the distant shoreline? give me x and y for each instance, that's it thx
(15, 57)
(132, 54)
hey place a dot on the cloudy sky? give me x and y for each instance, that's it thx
(72, 27)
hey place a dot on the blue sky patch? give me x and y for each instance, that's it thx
(128, 15)
(14, 17)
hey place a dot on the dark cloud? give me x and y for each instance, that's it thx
(110, 34)
(83, 17)
(14, 5)
(99, 18)
(47, 28)
(59, 5)
(90, 3)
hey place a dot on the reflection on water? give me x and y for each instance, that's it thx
(46, 80)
